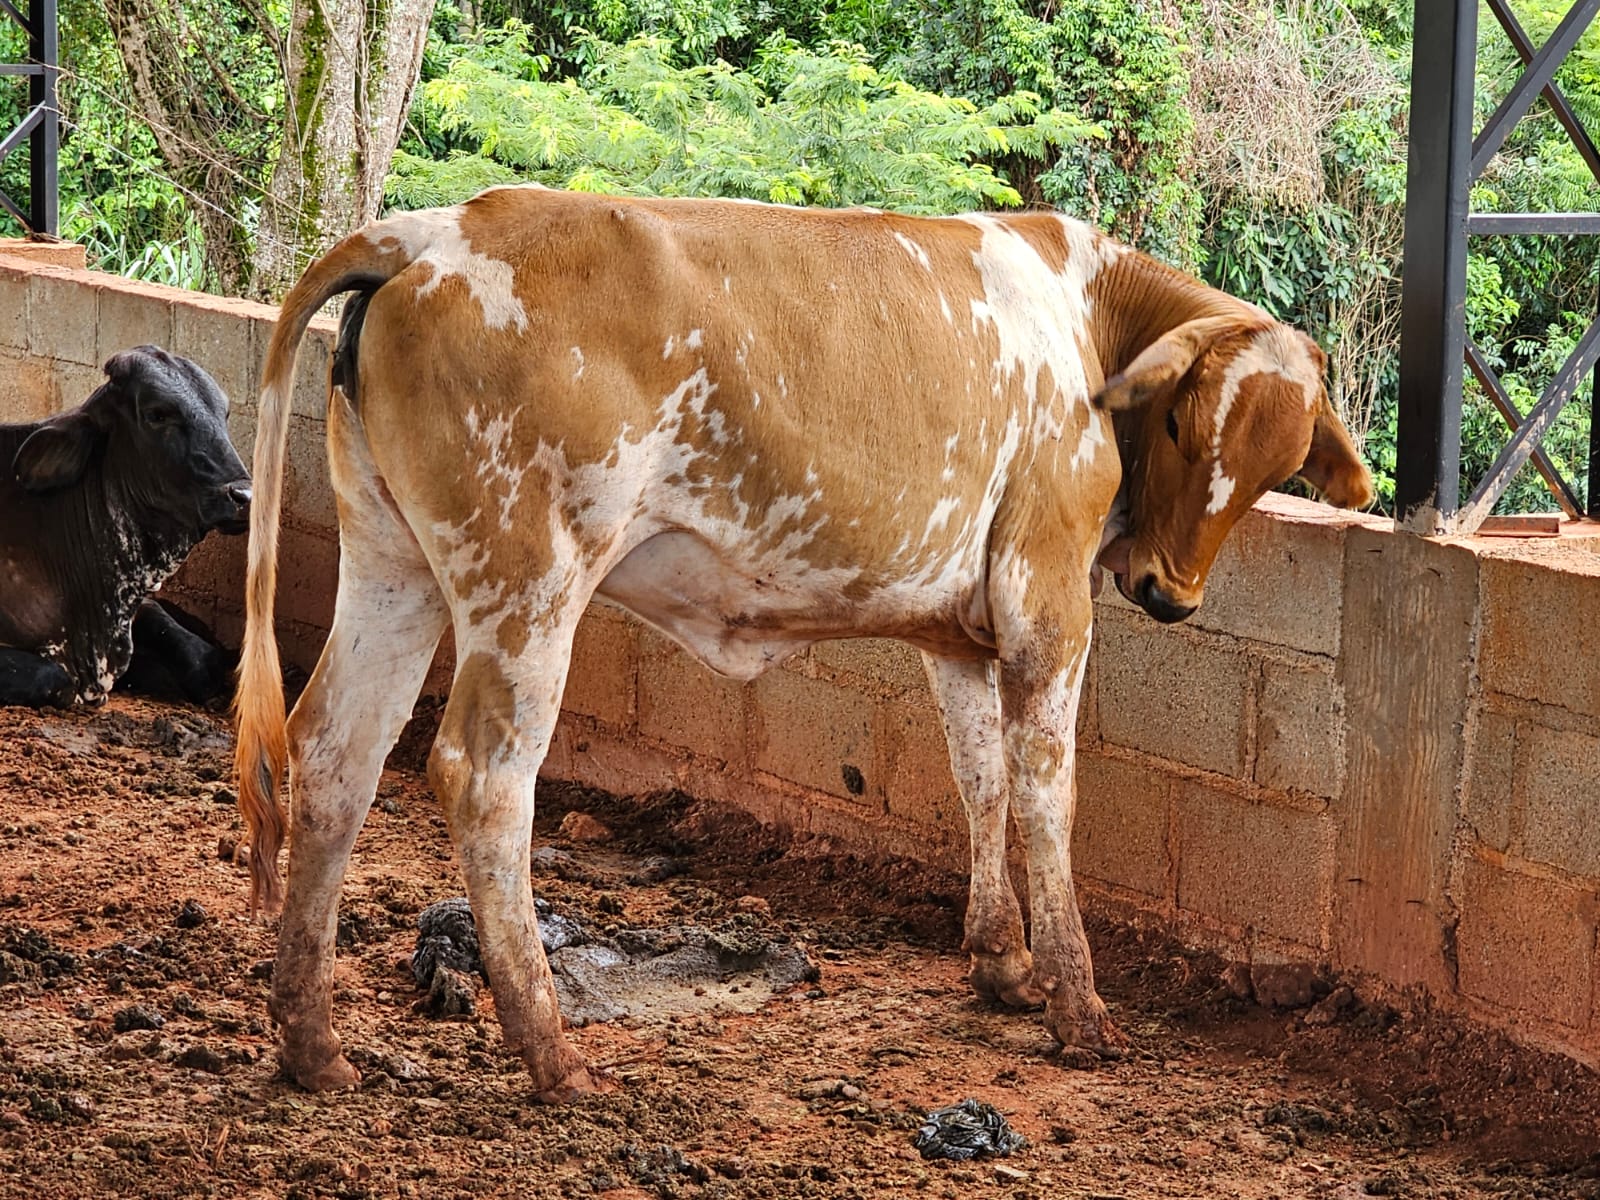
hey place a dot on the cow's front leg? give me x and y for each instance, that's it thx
(496, 729)
(969, 706)
(32, 681)
(163, 651)
(1044, 649)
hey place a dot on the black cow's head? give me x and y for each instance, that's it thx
(161, 424)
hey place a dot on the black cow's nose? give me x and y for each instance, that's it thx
(1159, 605)
(240, 494)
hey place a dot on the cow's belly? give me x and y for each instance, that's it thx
(740, 620)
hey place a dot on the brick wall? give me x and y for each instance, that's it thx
(1367, 750)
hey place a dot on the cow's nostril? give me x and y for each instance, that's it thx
(240, 493)
(1160, 605)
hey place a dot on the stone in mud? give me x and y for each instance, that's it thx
(136, 1016)
(581, 827)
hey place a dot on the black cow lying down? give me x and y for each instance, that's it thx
(97, 507)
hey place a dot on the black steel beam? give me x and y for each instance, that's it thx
(1507, 408)
(1541, 69)
(10, 10)
(44, 46)
(1531, 223)
(21, 69)
(1532, 430)
(1552, 93)
(1434, 282)
(1592, 497)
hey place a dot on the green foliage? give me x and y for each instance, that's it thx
(1118, 64)
(798, 127)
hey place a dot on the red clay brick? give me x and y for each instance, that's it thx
(686, 703)
(1252, 865)
(1526, 944)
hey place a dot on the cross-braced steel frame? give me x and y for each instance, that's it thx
(1445, 159)
(40, 126)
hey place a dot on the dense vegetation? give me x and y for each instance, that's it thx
(1260, 143)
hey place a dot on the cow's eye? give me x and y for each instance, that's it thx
(159, 417)
(1172, 425)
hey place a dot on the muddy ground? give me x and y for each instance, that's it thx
(120, 911)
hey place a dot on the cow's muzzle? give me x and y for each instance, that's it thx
(236, 501)
(1148, 595)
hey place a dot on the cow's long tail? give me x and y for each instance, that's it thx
(364, 261)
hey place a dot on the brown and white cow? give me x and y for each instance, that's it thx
(755, 427)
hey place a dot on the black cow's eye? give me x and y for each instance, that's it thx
(1172, 425)
(159, 417)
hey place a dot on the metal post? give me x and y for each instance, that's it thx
(45, 144)
(1434, 287)
(1591, 498)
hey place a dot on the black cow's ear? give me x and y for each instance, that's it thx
(56, 454)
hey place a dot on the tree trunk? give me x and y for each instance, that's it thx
(215, 141)
(350, 71)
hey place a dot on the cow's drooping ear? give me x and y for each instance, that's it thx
(55, 454)
(1332, 465)
(1162, 363)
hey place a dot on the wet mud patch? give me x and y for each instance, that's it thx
(137, 1058)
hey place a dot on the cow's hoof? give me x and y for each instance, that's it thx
(1090, 1037)
(1006, 979)
(576, 1085)
(331, 1075)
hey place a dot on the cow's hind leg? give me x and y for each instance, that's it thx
(969, 704)
(387, 620)
(496, 730)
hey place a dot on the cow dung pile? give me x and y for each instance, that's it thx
(638, 972)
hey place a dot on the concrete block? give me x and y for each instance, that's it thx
(308, 578)
(310, 400)
(1252, 865)
(308, 501)
(132, 314)
(30, 390)
(1558, 792)
(919, 785)
(63, 315)
(74, 382)
(1279, 579)
(1488, 791)
(13, 311)
(217, 333)
(686, 703)
(215, 568)
(605, 664)
(1299, 729)
(242, 421)
(1410, 611)
(1526, 944)
(1524, 602)
(1166, 693)
(892, 666)
(818, 734)
(1120, 833)
(55, 254)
